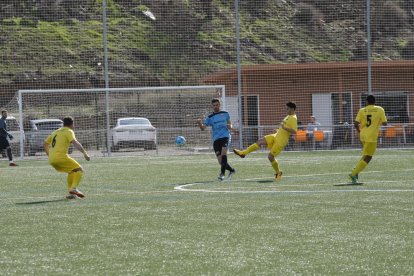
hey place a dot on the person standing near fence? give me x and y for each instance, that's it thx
(276, 142)
(221, 126)
(4, 143)
(368, 122)
(56, 147)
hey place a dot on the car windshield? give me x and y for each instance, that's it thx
(127, 122)
(48, 125)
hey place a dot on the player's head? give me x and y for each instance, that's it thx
(216, 104)
(68, 122)
(370, 99)
(4, 113)
(291, 107)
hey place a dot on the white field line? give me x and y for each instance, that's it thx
(87, 195)
(186, 188)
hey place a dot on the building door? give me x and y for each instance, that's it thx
(322, 109)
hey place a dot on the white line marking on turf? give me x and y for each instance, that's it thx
(87, 195)
(184, 189)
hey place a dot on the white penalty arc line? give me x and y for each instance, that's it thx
(184, 188)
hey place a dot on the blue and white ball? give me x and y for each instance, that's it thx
(180, 141)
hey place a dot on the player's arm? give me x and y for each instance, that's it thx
(200, 124)
(46, 144)
(80, 148)
(229, 125)
(46, 147)
(4, 131)
(288, 128)
(357, 126)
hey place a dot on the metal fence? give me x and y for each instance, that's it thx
(255, 48)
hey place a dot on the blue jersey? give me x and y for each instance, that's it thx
(218, 122)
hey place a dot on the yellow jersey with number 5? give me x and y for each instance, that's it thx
(370, 119)
(59, 141)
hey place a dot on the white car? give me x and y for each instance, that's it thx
(134, 132)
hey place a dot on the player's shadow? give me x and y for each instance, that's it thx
(41, 201)
(265, 181)
(349, 184)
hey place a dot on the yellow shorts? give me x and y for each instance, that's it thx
(272, 145)
(64, 164)
(369, 148)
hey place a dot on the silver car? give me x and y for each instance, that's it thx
(38, 131)
(134, 132)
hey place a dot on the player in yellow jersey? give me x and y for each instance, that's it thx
(368, 122)
(56, 147)
(276, 142)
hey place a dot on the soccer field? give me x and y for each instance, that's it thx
(170, 216)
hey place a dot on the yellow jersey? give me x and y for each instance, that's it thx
(60, 141)
(370, 119)
(282, 136)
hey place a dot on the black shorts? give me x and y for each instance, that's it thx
(4, 143)
(219, 144)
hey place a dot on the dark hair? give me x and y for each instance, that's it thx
(4, 110)
(215, 100)
(67, 121)
(370, 99)
(291, 105)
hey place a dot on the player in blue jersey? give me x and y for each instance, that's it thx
(220, 124)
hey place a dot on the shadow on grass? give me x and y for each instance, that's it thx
(41, 201)
(265, 181)
(349, 184)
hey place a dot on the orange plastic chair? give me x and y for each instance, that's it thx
(319, 135)
(390, 132)
(300, 136)
(399, 130)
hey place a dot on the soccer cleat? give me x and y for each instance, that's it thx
(13, 164)
(353, 178)
(69, 196)
(239, 153)
(221, 177)
(231, 174)
(77, 193)
(278, 176)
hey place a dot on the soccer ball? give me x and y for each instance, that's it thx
(180, 141)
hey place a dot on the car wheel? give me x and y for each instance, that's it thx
(114, 148)
(31, 152)
(150, 146)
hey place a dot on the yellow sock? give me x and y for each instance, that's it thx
(275, 166)
(70, 180)
(360, 166)
(251, 148)
(77, 176)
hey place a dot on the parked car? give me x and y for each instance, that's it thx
(134, 132)
(38, 131)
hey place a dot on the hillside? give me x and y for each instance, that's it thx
(56, 44)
